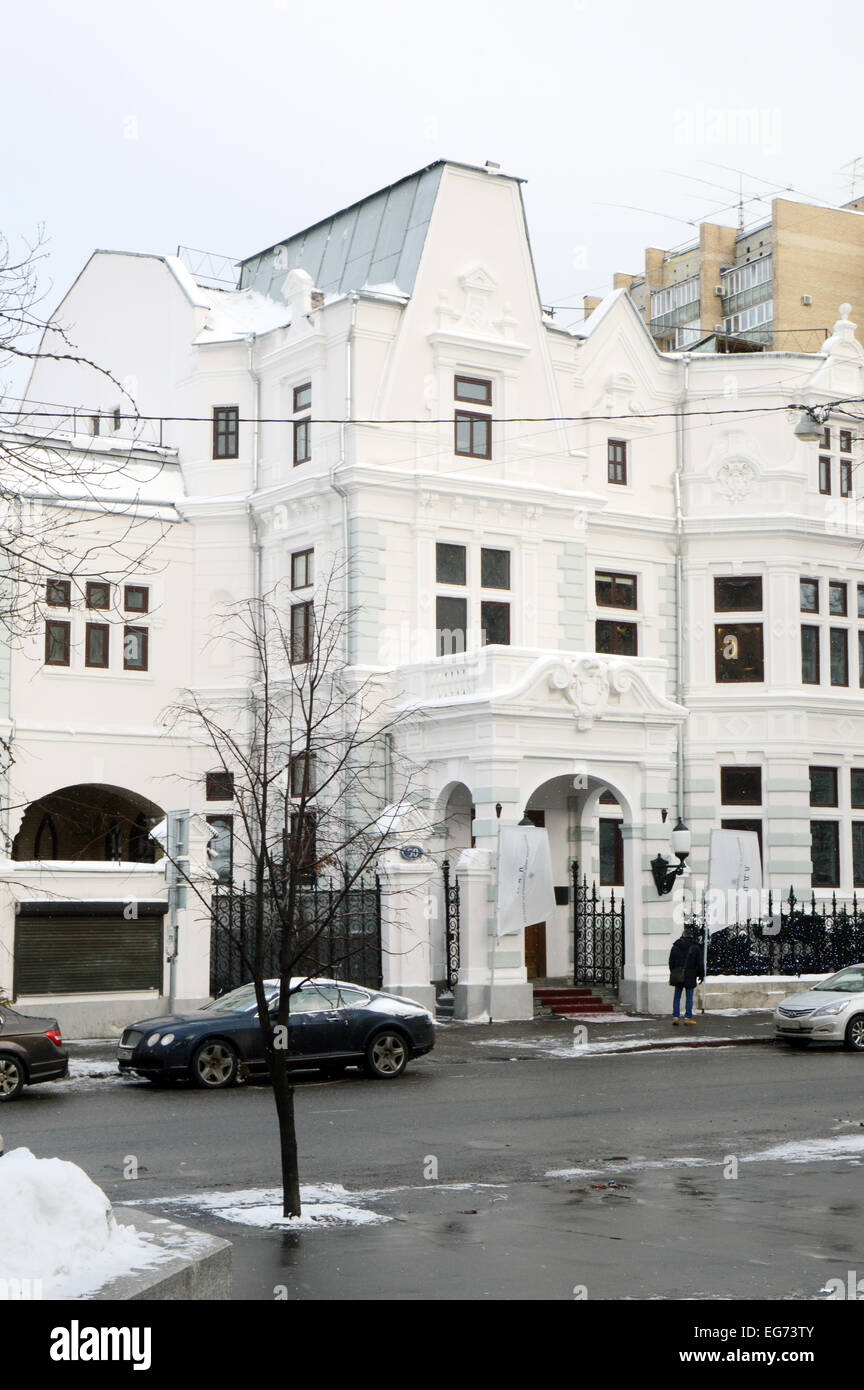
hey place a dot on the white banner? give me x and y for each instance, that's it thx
(525, 890)
(734, 879)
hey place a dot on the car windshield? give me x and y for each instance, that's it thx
(236, 1001)
(849, 981)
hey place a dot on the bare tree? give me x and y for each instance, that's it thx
(309, 752)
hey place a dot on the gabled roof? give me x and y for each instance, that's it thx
(376, 241)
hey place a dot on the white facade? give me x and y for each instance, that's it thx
(93, 759)
(379, 312)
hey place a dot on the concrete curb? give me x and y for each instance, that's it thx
(666, 1046)
(195, 1266)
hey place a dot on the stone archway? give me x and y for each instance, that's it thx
(453, 816)
(454, 827)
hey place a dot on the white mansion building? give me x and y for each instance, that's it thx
(615, 582)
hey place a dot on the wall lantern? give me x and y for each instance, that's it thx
(664, 876)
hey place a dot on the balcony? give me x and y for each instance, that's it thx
(589, 680)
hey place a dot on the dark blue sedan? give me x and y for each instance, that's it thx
(332, 1026)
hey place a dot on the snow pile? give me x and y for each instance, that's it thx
(57, 1226)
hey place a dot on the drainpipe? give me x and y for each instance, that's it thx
(388, 769)
(337, 487)
(7, 776)
(256, 479)
(680, 593)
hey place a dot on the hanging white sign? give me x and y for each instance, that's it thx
(526, 893)
(734, 879)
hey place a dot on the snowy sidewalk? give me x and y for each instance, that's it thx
(594, 1035)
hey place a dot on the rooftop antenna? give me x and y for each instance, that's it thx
(853, 176)
(650, 211)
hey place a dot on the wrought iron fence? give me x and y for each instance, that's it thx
(598, 934)
(794, 938)
(451, 924)
(337, 934)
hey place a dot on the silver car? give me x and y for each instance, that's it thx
(832, 1011)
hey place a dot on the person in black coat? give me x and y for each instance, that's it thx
(685, 970)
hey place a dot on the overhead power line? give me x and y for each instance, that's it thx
(27, 416)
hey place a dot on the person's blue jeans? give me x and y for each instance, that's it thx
(688, 1004)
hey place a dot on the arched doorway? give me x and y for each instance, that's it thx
(586, 820)
(89, 822)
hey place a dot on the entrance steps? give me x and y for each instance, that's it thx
(572, 999)
(444, 1005)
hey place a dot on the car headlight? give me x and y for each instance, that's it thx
(830, 1009)
(153, 1039)
(167, 1039)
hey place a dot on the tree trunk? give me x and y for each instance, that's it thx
(283, 1093)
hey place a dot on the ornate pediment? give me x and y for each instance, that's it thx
(477, 280)
(586, 683)
(588, 686)
(474, 317)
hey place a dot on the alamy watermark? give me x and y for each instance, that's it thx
(757, 127)
(720, 907)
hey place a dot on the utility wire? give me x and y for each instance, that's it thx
(438, 420)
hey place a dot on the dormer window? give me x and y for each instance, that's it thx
(472, 428)
(302, 427)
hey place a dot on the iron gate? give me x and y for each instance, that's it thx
(451, 925)
(340, 935)
(598, 934)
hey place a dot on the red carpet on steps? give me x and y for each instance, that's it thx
(565, 1000)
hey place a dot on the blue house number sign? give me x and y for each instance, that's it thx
(411, 851)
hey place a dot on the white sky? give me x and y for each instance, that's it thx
(230, 126)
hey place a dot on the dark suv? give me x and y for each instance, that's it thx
(31, 1050)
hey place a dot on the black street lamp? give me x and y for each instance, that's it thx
(664, 876)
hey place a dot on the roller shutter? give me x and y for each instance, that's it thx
(87, 948)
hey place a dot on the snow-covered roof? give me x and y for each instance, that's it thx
(94, 473)
(596, 317)
(234, 314)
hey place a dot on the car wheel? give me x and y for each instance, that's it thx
(855, 1033)
(214, 1066)
(386, 1056)
(11, 1078)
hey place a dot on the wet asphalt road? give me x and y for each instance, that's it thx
(677, 1230)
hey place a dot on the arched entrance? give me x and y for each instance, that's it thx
(89, 822)
(586, 820)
